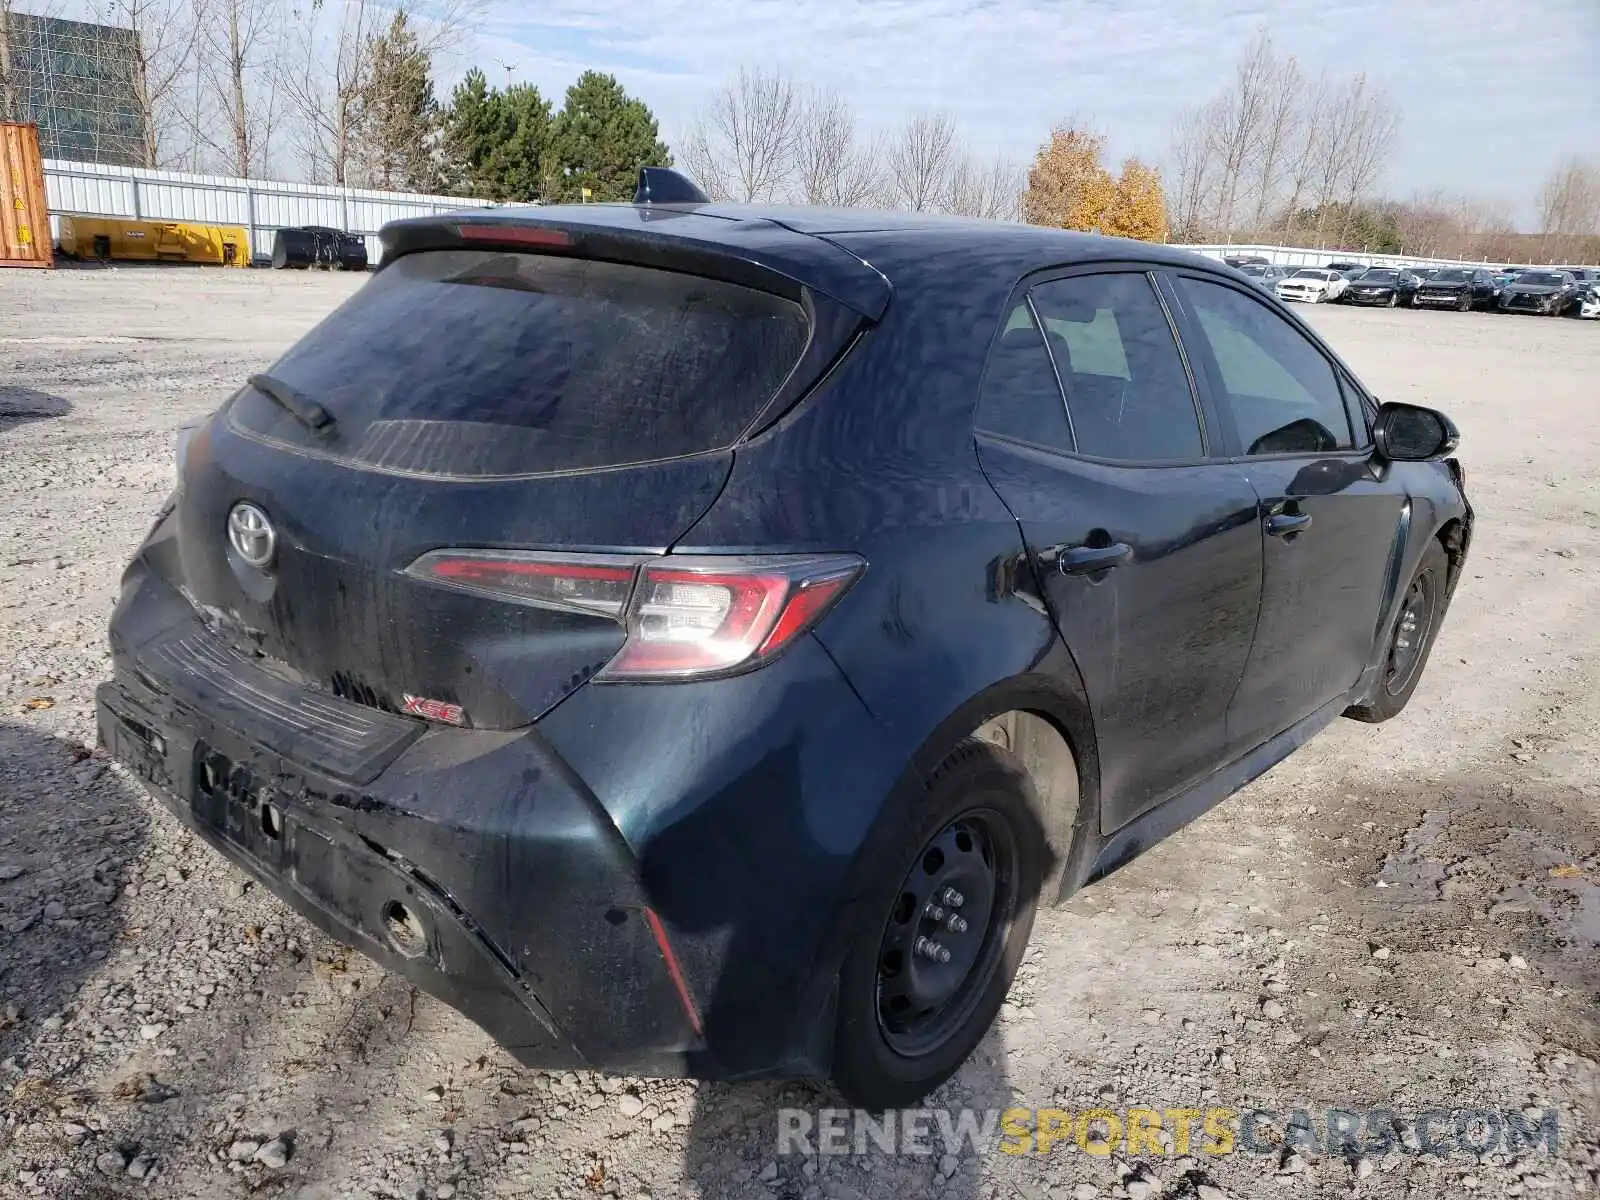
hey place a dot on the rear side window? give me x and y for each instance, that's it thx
(1126, 387)
(1021, 398)
(1281, 391)
(475, 363)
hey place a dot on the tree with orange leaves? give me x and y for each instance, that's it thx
(1138, 207)
(1067, 186)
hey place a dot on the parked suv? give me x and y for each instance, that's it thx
(1549, 293)
(691, 639)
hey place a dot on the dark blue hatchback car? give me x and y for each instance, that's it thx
(692, 639)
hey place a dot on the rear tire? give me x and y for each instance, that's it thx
(907, 1020)
(1411, 640)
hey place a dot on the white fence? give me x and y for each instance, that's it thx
(260, 205)
(264, 206)
(1300, 256)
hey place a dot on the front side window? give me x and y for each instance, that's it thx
(1282, 392)
(1126, 386)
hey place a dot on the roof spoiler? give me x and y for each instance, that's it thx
(663, 185)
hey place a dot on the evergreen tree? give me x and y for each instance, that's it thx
(470, 134)
(401, 118)
(600, 140)
(497, 144)
(520, 162)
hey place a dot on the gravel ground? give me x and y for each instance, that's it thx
(1405, 916)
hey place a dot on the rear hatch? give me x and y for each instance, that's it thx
(481, 397)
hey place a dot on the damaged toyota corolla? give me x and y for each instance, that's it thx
(692, 639)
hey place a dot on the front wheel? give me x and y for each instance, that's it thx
(1465, 303)
(937, 948)
(1394, 300)
(1411, 640)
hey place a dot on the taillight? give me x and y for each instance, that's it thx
(686, 617)
(713, 616)
(597, 584)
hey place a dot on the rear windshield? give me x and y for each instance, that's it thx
(474, 363)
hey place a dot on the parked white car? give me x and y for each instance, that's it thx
(1589, 303)
(1312, 285)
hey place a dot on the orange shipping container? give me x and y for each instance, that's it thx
(24, 219)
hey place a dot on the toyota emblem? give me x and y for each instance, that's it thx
(251, 535)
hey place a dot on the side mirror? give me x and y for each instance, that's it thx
(1410, 433)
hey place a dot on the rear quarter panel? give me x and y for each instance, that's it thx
(935, 637)
(881, 461)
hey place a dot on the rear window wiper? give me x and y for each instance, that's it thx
(295, 402)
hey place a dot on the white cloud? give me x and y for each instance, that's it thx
(1493, 93)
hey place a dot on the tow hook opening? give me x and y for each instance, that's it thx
(404, 930)
(271, 821)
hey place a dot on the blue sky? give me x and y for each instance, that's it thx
(1494, 92)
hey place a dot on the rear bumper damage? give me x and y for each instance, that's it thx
(381, 869)
(650, 879)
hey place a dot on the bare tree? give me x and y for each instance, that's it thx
(1234, 122)
(1275, 144)
(327, 72)
(1374, 125)
(744, 145)
(1569, 207)
(833, 166)
(324, 81)
(1427, 225)
(239, 52)
(165, 37)
(1282, 115)
(920, 161)
(993, 192)
(1305, 149)
(1193, 170)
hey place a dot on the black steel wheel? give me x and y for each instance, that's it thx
(1411, 633)
(937, 941)
(942, 941)
(1411, 638)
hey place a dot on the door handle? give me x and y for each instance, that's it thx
(1287, 524)
(1086, 560)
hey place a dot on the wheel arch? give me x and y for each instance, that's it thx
(1040, 716)
(1453, 535)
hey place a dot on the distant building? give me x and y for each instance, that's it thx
(78, 83)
